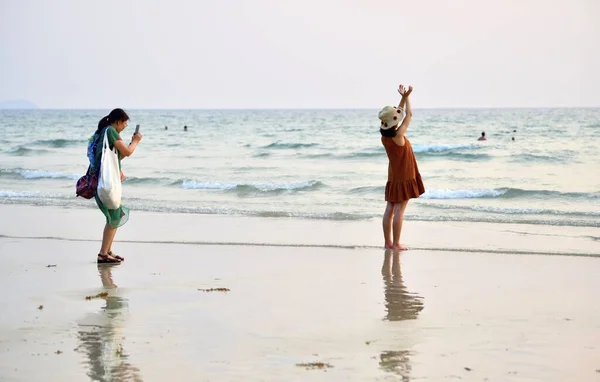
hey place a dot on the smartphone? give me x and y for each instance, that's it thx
(137, 129)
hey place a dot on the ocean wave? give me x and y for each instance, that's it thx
(509, 219)
(536, 158)
(16, 194)
(506, 193)
(462, 194)
(367, 190)
(248, 189)
(356, 155)
(139, 204)
(438, 148)
(514, 211)
(337, 216)
(518, 193)
(467, 157)
(42, 174)
(39, 174)
(58, 143)
(461, 152)
(194, 185)
(149, 181)
(365, 154)
(318, 156)
(421, 151)
(24, 151)
(282, 145)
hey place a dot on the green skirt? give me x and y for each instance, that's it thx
(114, 218)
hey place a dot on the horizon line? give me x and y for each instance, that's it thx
(310, 108)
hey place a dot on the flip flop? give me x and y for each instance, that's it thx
(116, 256)
(105, 259)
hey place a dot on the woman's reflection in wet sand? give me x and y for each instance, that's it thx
(400, 305)
(101, 339)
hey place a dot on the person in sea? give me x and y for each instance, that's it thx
(482, 138)
(111, 125)
(404, 180)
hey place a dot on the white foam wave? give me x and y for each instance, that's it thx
(461, 194)
(35, 174)
(514, 211)
(284, 186)
(40, 174)
(192, 184)
(14, 194)
(436, 148)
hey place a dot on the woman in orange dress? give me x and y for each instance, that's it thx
(404, 181)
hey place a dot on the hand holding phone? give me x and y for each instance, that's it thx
(137, 129)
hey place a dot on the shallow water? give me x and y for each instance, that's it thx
(320, 164)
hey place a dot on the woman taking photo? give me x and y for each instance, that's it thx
(111, 125)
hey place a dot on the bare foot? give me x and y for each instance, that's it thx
(400, 247)
(388, 246)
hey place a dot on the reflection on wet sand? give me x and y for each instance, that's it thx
(400, 305)
(100, 337)
(396, 362)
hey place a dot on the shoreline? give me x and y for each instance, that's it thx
(325, 246)
(83, 224)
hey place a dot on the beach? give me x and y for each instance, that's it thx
(254, 149)
(302, 300)
(254, 250)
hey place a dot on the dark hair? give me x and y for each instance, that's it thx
(483, 133)
(390, 133)
(117, 115)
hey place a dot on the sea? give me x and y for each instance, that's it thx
(538, 166)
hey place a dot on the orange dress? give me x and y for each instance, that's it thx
(404, 181)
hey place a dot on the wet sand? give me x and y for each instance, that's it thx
(148, 227)
(425, 314)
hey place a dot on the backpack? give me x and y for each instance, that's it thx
(86, 185)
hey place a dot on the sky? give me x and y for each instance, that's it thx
(239, 54)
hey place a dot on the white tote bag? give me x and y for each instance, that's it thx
(109, 183)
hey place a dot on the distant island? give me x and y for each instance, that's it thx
(17, 104)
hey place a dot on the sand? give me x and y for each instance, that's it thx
(468, 301)
(87, 224)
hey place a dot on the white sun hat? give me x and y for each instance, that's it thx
(390, 117)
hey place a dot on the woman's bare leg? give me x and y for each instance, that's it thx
(399, 209)
(112, 239)
(388, 215)
(107, 238)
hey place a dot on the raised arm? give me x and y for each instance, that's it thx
(127, 149)
(404, 126)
